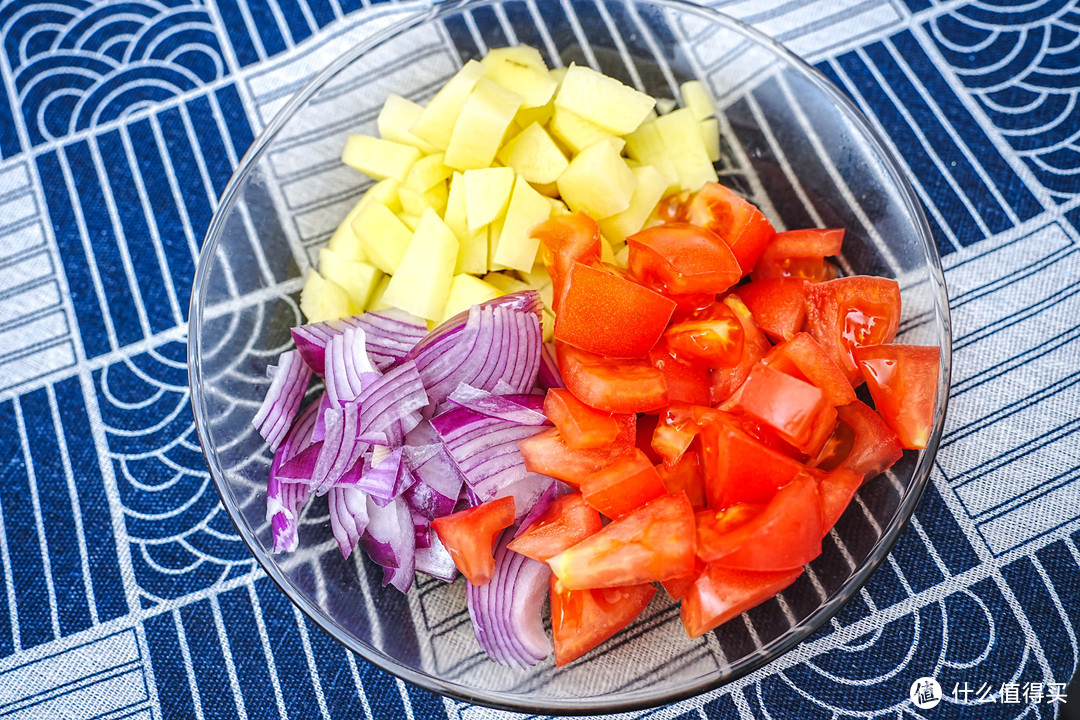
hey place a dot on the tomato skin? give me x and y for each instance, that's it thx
(784, 535)
(727, 379)
(735, 220)
(469, 536)
(738, 468)
(681, 259)
(565, 240)
(835, 490)
(582, 619)
(606, 314)
(800, 254)
(677, 587)
(581, 426)
(685, 476)
(778, 305)
(720, 594)
(862, 442)
(847, 312)
(627, 483)
(802, 357)
(566, 522)
(616, 386)
(797, 410)
(686, 382)
(903, 381)
(652, 543)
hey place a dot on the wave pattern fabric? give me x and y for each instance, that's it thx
(124, 589)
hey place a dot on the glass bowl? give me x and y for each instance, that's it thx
(791, 143)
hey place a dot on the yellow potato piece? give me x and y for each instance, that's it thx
(487, 193)
(597, 182)
(436, 123)
(421, 283)
(379, 158)
(479, 130)
(603, 100)
(517, 247)
(534, 155)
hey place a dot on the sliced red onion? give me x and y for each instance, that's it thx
(395, 396)
(542, 503)
(348, 516)
(346, 364)
(520, 409)
(283, 499)
(506, 612)
(290, 378)
(341, 447)
(319, 431)
(390, 335)
(435, 561)
(385, 481)
(389, 540)
(301, 466)
(488, 343)
(549, 376)
(438, 485)
(485, 450)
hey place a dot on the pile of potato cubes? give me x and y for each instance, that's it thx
(506, 144)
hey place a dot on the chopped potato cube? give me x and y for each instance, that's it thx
(427, 172)
(650, 189)
(710, 135)
(479, 130)
(487, 193)
(682, 138)
(466, 291)
(696, 99)
(603, 100)
(597, 182)
(517, 247)
(383, 235)
(422, 281)
(376, 302)
(358, 279)
(574, 131)
(505, 283)
(344, 241)
(322, 299)
(472, 244)
(529, 80)
(534, 155)
(647, 147)
(397, 115)
(379, 158)
(436, 123)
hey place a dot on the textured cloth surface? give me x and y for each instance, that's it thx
(124, 586)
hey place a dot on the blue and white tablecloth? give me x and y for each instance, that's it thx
(124, 589)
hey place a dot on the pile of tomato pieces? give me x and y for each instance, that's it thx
(709, 428)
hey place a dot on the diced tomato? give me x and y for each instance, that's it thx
(802, 357)
(903, 380)
(681, 259)
(653, 543)
(835, 491)
(847, 312)
(737, 222)
(785, 534)
(778, 305)
(582, 619)
(566, 522)
(627, 483)
(606, 314)
(670, 439)
(617, 386)
(686, 382)
(862, 442)
(469, 536)
(738, 468)
(567, 239)
(725, 380)
(794, 408)
(720, 594)
(581, 426)
(678, 587)
(685, 476)
(712, 337)
(548, 454)
(800, 254)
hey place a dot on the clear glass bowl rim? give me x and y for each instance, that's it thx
(630, 701)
